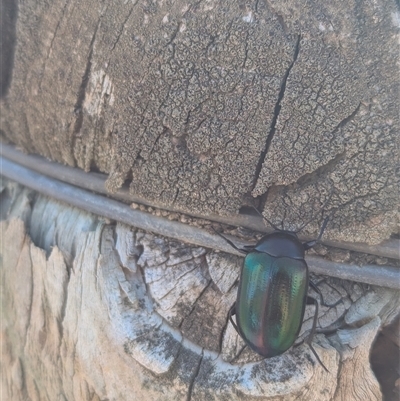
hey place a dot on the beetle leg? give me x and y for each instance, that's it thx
(323, 303)
(310, 301)
(248, 248)
(310, 244)
(316, 356)
(324, 224)
(314, 326)
(230, 242)
(232, 312)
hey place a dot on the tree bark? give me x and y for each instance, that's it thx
(208, 107)
(201, 108)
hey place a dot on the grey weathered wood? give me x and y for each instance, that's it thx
(94, 310)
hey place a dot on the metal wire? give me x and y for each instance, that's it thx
(386, 276)
(95, 182)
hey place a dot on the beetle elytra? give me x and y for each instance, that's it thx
(272, 292)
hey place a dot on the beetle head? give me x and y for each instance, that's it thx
(281, 244)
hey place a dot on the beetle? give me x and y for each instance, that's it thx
(272, 292)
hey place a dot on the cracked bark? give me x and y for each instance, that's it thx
(218, 84)
(192, 383)
(123, 27)
(277, 110)
(52, 39)
(82, 91)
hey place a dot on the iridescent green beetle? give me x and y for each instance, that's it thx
(272, 293)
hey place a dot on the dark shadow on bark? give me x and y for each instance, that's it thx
(385, 361)
(8, 19)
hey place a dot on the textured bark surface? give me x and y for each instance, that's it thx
(208, 106)
(94, 310)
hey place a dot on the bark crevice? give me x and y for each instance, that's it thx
(196, 373)
(78, 111)
(276, 114)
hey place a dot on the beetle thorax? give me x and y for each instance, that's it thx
(281, 244)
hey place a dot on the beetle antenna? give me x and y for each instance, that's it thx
(310, 244)
(325, 221)
(230, 242)
(264, 218)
